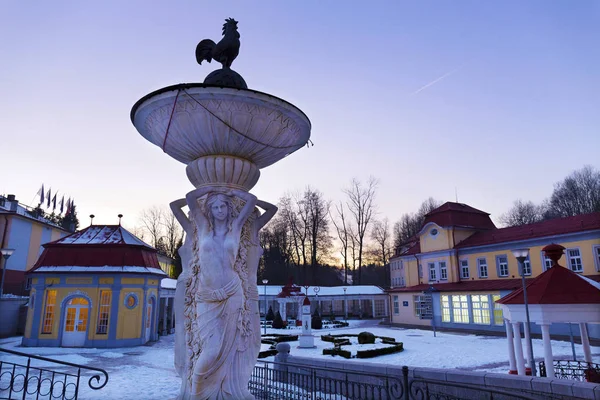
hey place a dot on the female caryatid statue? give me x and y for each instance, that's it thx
(221, 320)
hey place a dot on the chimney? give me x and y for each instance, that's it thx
(13, 202)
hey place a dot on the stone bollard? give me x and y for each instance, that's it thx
(281, 359)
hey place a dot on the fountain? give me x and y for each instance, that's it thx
(224, 133)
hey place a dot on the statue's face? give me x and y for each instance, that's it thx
(219, 210)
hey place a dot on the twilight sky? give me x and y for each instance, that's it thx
(496, 99)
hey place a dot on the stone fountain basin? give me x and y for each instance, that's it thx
(191, 122)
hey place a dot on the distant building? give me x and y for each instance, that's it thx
(167, 264)
(459, 264)
(98, 287)
(24, 231)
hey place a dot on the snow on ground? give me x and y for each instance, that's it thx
(147, 372)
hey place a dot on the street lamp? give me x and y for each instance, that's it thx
(316, 290)
(345, 306)
(6, 253)
(265, 281)
(521, 255)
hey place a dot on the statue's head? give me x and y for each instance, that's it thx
(230, 24)
(218, 209)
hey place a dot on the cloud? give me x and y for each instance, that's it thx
(433, 82)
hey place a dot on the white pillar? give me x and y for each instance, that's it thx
(373, 305)
(172, 314)
(528, 347)
(585, 341)
(165, 329)
(385, 308)
(548, 359)
(518, 348)
(512, 365)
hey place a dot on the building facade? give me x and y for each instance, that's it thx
(98, 287)
(25, 232)
(459, 264)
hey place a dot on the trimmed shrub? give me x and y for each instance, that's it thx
(398, 347)
(278, 321)
(270, 316)
(316, 321)
(267, 353)
(366, 337)
(278, 338)
(337, 352)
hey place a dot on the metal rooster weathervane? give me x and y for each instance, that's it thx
(225, 51)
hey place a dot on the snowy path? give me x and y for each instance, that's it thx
(147, 372)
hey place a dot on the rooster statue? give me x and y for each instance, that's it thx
(226, 50)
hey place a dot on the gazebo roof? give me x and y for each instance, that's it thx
(557, 285)
(290, 290)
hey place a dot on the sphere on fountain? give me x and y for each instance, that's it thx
(227, 78)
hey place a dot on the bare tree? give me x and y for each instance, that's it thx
(344, 236)
(578, 193)
(152, 221)
(522, 213)
(409, 225)
(173, 234)
(381, 235)
(361, 203)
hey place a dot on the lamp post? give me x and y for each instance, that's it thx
(345, 306)
(521, 255)
(316, 290)
(6, 253)
(265, 281)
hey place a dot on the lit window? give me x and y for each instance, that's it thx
(498, 317)
(502, 262)
(443, 271)
(481, 309)
(482, 267)
(575, 262)
(464, 269)
(396, 305)
(460, 309)
(49, 311)
(103, 312)
(432, 272)
(445, 308)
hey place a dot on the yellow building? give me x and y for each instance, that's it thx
(98, 287)
(459, 264)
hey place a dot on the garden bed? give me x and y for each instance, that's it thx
(348, 346)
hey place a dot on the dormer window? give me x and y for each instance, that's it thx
(433, 232)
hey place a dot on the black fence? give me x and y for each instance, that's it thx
(575, 370)
(271, 381)
(56, 380)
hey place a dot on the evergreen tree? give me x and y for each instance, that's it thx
(316, 321)
(270, 315)
(70, 222)
(277, 321)
(178, 267)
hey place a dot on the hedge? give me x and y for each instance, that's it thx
(380, 352)
(267, 353)
(337, 352)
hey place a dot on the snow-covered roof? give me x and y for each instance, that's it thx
(78, 268)
(168, 283)
(102, 234)
(274, 290)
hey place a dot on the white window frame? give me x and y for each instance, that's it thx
(445, 305)
(571, 258)
(546, 262)
(596, 253)
(432, 272)
(443, 271)
(462, 311)
(102, 323)
(502, 266)
(396, 306)
(480, 306)
(464, 268)
(497, 311)
(527, 267)
(479, 265)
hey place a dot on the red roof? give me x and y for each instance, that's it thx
(579, 223)
(558, 285)
(105, 246)
(473, 285)
(290, 290)
(458, 214)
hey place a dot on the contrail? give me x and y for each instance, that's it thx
(433, 82)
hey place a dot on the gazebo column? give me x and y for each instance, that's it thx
(172, 315)
(528, 348)
(165, 329)
(373, 306)
(548, 359)
(385, 308)
(518, 348)
(512, 365)
(585, 341)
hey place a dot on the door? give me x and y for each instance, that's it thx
(76, 319)
(148, 320)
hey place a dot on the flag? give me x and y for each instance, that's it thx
(62, 204)
(48, 197)
(41, 193)
(68, 206)
(54, 202)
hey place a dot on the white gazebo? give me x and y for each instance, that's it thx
(556, 296)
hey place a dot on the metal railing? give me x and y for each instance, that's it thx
(574, 370)
(25, 381)
(287, 381)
